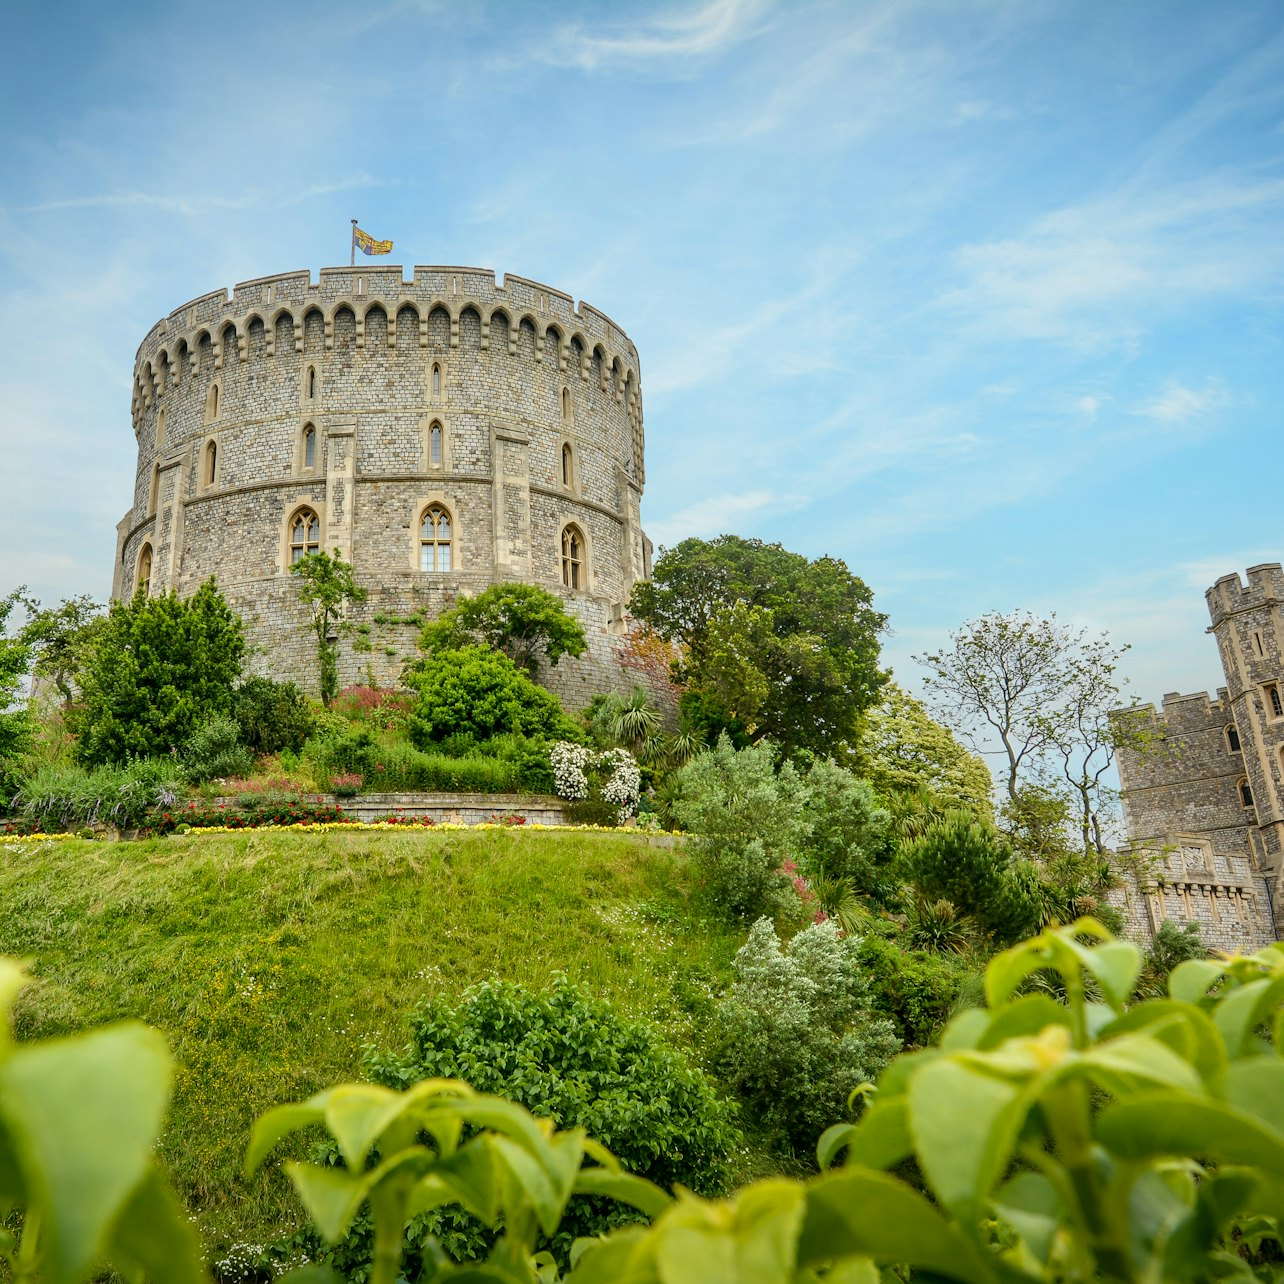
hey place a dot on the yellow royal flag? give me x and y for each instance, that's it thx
(368, 245)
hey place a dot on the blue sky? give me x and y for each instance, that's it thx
(984, 298)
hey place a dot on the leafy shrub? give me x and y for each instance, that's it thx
(398, 768)
(272, 715)
(747, 822)
(129, 797)
(574, 1060)
(158, 668)
(795, 1036)
(590, 811)
(582, 773)
(482, 693)
(214, 751)
(385, 707)
(915, 989)
(848, 829)
(968, 863)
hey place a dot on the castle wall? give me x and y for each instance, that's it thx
(228, 387)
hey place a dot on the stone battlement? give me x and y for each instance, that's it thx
(1229, 595)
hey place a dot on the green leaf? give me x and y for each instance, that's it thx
(1188, 1030)
(82, 1116)
(965, 1030)
(880, 1140)
(331, 1196)
(279, 1122)
(1006, 971)
(1116, 965)
(1133, 1061)
(625, 1255)
(1029, 1203)
(1161, 1124)
(1023, 1017)
(637, 1192)
(357, 1115)
(1240, 1011)
(769, 1216)
(1190, 981)
(154, 1236)
(311, 1274)
(964, 1123)
(1256, 1086)
(853, 1213)
(534, 1181)
(12, 978)
(468, 1177)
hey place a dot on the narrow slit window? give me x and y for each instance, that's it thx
(160, 429)
(1232, 739)
(305, 535)
(568, 466)
(1245, 793)
(309, 447)
(435, 539)
(212, 404)
(312, 383)
(572, 557)
(566, 403)
(211, 463)
(143, 583)
(153, 491)
(435, 445)
(436, 380)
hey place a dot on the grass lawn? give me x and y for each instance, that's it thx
(269, 958)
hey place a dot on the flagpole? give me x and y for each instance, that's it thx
(352, 257)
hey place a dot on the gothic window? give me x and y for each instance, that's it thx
(435, 445)
(153, 490)
(573, 557)
(160, 429)
(435, 539)
(143, 580)
(211, 402)
(1274, 707)
(1232, 740)
(1245, 792)
(309, 446)
(436, 379)
(211, 463)
(566, 403)
(310, 384)
(568, 466)
(305, 535)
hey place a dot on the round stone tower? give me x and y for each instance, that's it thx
(443, 433)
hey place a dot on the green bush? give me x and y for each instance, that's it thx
(915, 989)
(795, 1035)
(66, 798)
(848, 831)
(481, 693)
(571, 1059)
(401, 768)
(747, 822)
(968, 863)
(158, 667)
(591, 811)
(272, 715)
(214, 752)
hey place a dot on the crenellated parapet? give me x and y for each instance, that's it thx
(1231, 596)
(268, 317)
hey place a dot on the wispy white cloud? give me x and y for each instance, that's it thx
(719, 514)
(1178, 404)
(675, 36)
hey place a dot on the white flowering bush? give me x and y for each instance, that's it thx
(580, 772)
(570, 769)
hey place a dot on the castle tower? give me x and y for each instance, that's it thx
(1247, 625)
(444, 433)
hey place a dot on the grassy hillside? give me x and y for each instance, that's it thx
(269, 958)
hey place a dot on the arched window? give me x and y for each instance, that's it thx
(436, 379)
(160, 427)
(211, 402)
(434, 539)
(305, 535)
(435, 445)
(309, 446)
(1274, 707)
(310, 384)
(211, 463)
(1232, 739)
(568, 465)
(1245, 792)
(573, 557)
(566, 403)
(143, 580)
(153, 491)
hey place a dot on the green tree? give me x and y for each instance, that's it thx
(787, 648)
(902, 749)
(522, 621)
(848, 830)
(59, 637)
(15, 722)
(328, 586)
(481, 693)
(158, 668)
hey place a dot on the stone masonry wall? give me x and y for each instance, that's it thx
(537, 403)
